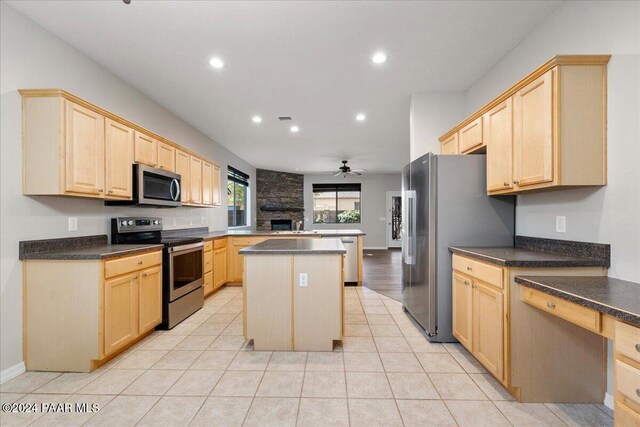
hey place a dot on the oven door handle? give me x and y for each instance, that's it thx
(182, 248)
(175, 196)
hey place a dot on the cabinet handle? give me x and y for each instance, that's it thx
(506, 184)
(474, 286)
(551, 305)
(155, 165)
(516, 182)
(110, 191)
(139, 262)
(161, 167)
(101, 190)
(144, 274)
(135, 277)
(638, 348)
(466, 282)
(469, 268)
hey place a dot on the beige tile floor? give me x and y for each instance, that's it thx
(203, 372)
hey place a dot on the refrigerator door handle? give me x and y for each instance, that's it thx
(410, 238)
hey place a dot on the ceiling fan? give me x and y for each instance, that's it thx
(345, 170)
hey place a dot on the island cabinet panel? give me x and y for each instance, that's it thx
(84, 150)
(315, 329)
(118, 159)
(268, 301)
(120, 311)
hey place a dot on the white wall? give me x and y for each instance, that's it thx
(431, 115)
(373, 208)
(33, 58)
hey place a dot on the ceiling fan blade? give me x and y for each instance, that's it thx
(338, 173)
(358, 170)
(355, 173)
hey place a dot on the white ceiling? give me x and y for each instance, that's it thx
(310, 60)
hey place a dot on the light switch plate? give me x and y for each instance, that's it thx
(73, 223)
(561, 224)
(303, 280)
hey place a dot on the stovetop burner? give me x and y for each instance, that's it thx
(147, 231)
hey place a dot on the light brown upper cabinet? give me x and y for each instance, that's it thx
(556, 137)
(84, 150)
(166, 156)
(182, 169)
(470, 136)
(207, 180)
(89, 152)
(146, 150)
(118, 159)
(216, 197)
(450, 145)
(195, 180)
(498, 135)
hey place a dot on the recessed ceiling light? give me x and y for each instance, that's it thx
(216, 62)
(295, 129)
(379, 58)
(256, 119)
(297, 169)
(360, 117)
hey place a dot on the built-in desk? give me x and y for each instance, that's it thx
(608, 307)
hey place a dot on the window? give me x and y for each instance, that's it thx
(237, 202)
(336, 203)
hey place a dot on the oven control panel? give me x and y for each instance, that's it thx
(136, 224)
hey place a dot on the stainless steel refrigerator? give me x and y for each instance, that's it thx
(445, 203)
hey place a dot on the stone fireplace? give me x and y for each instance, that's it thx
(279, 195)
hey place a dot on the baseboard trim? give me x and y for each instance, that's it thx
(12, 372)
(608, 400)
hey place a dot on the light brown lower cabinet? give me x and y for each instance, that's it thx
(537, 356)
(626, 346)
(81, 313)
(219, 267)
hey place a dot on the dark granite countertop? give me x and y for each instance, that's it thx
(618, 298)
(296, 247)
(520, 257)
(103, 251)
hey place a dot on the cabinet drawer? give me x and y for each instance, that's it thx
(132, 263)
(574, 313)
(208, 261)
(625, 416)
(219, 243)
(247, 241)
(627, 341)
(478, 270)
(208, 246)
(628, 381)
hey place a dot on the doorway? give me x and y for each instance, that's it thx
(394, 219)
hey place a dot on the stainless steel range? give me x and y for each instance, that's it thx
(182, 265)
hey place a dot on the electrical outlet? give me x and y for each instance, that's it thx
(303, 280)
(73, 223)
(561, 224)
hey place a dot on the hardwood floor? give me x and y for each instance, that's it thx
(382, 272)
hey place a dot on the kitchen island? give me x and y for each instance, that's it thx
(293, 294)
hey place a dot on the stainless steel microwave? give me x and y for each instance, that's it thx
(153, 187)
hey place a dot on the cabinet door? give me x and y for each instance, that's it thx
(84, 151)
(450, 145)
(119, 159)
(150, 299)
(207, 176)
(146, 150)
(120, 311)
(533, 132)
(237, 263)
(470, 136)
(166, 157)
(499, 138)
(488, 326)
(219, 267)
(462, 310)
(208, 283)
(182, 168)
(216, 191)
(195, 180)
